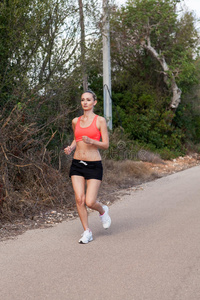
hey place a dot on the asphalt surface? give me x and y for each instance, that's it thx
(151, 251)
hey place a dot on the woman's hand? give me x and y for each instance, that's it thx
(68, 150)
(87, 140)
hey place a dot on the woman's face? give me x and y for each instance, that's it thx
(87, 101)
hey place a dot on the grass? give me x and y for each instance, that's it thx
(124, 174)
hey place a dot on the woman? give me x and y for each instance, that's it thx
(86, 165)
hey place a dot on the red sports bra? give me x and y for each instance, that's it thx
(91, 131)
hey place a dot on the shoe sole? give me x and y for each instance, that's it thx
(90, 240)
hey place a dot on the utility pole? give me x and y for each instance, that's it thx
(107, 66)
(83, 62)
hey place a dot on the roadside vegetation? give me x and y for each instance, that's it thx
(47, 58)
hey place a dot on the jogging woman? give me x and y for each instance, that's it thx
(86, 167)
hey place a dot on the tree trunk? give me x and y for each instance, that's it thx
(83, 62)
(169, 80)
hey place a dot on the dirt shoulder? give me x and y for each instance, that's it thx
(175, 165)
(119, 176)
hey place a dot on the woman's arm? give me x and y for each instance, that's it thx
(68, 150)
(104, 144)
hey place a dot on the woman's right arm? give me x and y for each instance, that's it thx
(68, 150)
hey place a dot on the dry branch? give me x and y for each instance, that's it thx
(27, 183)
(169, 80)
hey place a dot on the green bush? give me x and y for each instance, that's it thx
(143, 118)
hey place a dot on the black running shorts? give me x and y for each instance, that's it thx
(87, 169)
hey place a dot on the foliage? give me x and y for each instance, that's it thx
(36, 46)
(144, 119)
(139, 91)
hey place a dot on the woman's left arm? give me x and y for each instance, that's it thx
(104, 143)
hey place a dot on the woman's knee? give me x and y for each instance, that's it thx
(90, 203)
(80, 200)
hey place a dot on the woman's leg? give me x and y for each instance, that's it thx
(91, 195)
(78, 183)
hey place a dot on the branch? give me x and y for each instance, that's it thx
(169, 80)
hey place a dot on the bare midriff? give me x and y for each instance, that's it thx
(87, 152)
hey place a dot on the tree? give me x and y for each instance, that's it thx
(37, 47)
(153, 26)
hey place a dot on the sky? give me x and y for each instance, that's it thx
(192, 5)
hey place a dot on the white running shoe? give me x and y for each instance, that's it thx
(105, 218)
(86, 237)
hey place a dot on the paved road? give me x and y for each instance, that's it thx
(151, 252)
